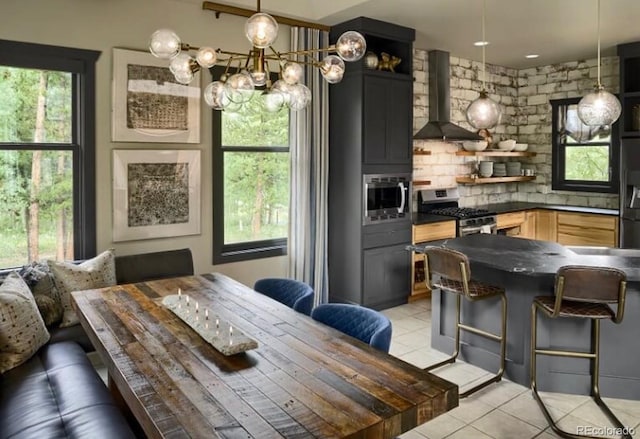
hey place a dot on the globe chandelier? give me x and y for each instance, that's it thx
(483, 113)
(247, 72)
(599, 108)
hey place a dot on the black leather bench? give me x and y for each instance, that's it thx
(58, 393)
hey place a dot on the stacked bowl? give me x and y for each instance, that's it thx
(499, 170)
(486, 169)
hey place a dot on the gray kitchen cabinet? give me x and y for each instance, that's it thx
(370, 132)
(387, 272)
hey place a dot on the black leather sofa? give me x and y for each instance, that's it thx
(58, 393)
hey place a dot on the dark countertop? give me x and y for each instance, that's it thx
(516, 206)
(536, 258)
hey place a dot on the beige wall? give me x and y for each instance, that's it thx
(104, 24)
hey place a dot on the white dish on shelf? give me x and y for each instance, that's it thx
(475, 145)
(521, 147)
(506, 145)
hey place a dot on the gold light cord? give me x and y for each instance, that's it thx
(484, 44)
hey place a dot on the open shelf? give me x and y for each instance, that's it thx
(480, 180)
(494, 153)
(421, 182)
(421, 152)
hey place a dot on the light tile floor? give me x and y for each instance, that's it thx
(503, 410)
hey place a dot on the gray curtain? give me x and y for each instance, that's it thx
(309, 174)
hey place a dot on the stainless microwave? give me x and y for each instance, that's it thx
(386, 197)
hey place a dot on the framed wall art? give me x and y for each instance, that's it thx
(156, 193)
(148, 104)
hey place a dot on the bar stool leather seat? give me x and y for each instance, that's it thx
(571, 308)
(449, 270)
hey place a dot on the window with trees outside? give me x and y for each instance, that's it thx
(585, 158)
(251, 183)
(47, 158)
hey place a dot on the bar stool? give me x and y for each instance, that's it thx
(580, 292)
(455, 276)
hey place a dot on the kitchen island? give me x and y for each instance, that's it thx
(526, 268)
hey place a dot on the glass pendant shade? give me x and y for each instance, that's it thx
(332, 69)
(351, 46)
(483, 113)
(292, 73)
(164, 44)
(599, 108)
(206, 57)
(261, 30)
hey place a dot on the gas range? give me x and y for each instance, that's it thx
(444, 202)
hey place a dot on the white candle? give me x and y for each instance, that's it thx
(196, 306)
(217, 323)
(206, 313)
(230, 331)
(187, 300)
(179, 294)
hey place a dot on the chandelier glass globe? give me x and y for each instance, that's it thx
(239, 87)
(259, 78)
(483, 113)
(300, 96)
(273, 101)
(599, 108)
(165, 44)
(206, 57)
(292, 73)
(261, 30)
(332, 69)
(215, 95)
(351, 46)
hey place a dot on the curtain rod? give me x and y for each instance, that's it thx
(219, 8)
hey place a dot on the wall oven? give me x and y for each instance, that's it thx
(386, 197)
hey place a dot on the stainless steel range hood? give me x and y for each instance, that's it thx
(439, 127)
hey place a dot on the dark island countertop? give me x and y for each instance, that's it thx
(537, 258)
(515, 206)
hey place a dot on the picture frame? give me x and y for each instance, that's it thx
(156, 193)
(149, 104)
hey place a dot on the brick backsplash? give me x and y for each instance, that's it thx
(524, 96)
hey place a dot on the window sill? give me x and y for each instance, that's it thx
(231, 254)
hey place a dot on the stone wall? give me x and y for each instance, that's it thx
(524, 96)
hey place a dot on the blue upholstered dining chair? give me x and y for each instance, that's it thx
(362, 323)
(295, 294)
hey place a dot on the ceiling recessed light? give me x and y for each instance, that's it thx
(481, 43)
(532, 56)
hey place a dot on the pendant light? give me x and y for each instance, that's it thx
(599, 108)
(483, 113)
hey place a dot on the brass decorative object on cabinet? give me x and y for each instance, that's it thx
(388, 62)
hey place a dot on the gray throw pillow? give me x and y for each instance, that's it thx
(38, 277)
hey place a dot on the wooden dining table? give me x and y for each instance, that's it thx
(304, 379)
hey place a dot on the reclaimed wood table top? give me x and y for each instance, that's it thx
(305, 379)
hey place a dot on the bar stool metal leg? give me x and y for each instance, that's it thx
(594, 356)
(502, 339)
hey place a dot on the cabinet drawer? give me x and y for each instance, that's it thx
(434, 231)
(388, 237)
(574, 235)
(512, 219)
(591, 221)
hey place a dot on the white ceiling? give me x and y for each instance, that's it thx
(557, 30)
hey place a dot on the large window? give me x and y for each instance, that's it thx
(584, 158)
(251, 183)
(47, 157)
